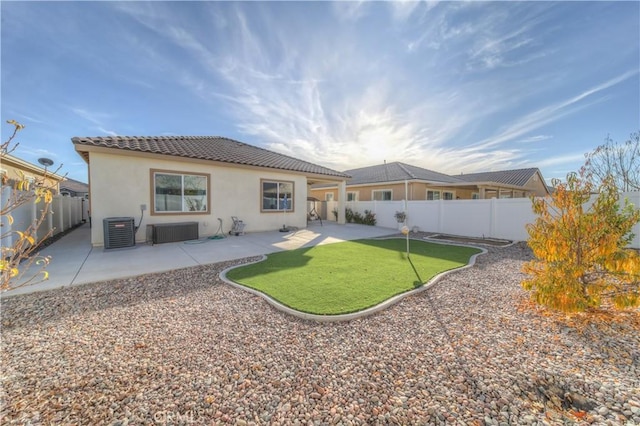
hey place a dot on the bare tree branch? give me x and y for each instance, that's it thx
(622, 161)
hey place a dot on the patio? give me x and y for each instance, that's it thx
(74, 261)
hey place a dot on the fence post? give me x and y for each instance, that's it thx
(5, 225)
(69, 211)
(48, 220)
(492, 218)
(60, 213)
(34, 217)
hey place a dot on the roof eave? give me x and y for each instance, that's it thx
(15, 161)
(395, 182)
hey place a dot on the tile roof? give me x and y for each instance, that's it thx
(394, 172)
(74, 185)
(517, 177)
(214, 148)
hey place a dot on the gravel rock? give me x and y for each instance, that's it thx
(185, 348)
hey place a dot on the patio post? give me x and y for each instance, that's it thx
(342, 197)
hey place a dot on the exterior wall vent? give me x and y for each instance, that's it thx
(119, 232)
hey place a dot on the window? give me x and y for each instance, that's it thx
(475, 196)
(433, 195)
(328, 196)
(30, 183)
(276, 195)
(352, 196)
(175, 192)
(381, 195)
(440, 195)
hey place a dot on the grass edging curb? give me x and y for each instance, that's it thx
(353, 315)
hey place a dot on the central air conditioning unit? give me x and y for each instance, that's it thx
(119, 232)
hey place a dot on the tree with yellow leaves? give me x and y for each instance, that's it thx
(19, 248)
(579, 246)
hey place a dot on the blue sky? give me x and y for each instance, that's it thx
(449, 86)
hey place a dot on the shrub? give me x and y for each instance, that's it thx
(400, 217)
(369, 218)
(348, 215)
(580, 259)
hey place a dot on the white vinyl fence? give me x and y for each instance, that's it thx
(64, 213)
(504, 218)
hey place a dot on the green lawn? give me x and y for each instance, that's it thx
(349, 276)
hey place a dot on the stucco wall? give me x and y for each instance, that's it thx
(537, 185)
(13, 172)
(416, 191)
(364, 192)
(120, 184)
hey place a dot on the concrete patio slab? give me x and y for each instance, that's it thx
(74, 261)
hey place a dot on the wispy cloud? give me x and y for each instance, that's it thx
(493, 51)
(309, 105)
(350, 10)
(91, 116)
(98, 119)
(37, 152)
(335, 102)
(450, 86)
(551, 113)
(535, 139)
(30, 118)
(567, 159)
(108, 132)
(340, 116)
(402, 9)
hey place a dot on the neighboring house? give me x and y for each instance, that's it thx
(196, 178)
(13, 169)
(74, 188)
(509, 183)
(397, 181)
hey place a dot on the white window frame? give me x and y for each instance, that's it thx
(434, 192)
(452, 195)
(328, 196)
(31, 182)
(185, 205)
(380, 191)
(354, 195)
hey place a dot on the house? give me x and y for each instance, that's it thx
(397, 181)
(173, 179)
(73, 188)
(508, 183)
(15, 169)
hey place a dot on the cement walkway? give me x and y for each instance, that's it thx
(74, 261)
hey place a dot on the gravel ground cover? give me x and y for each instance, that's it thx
(184, 348)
